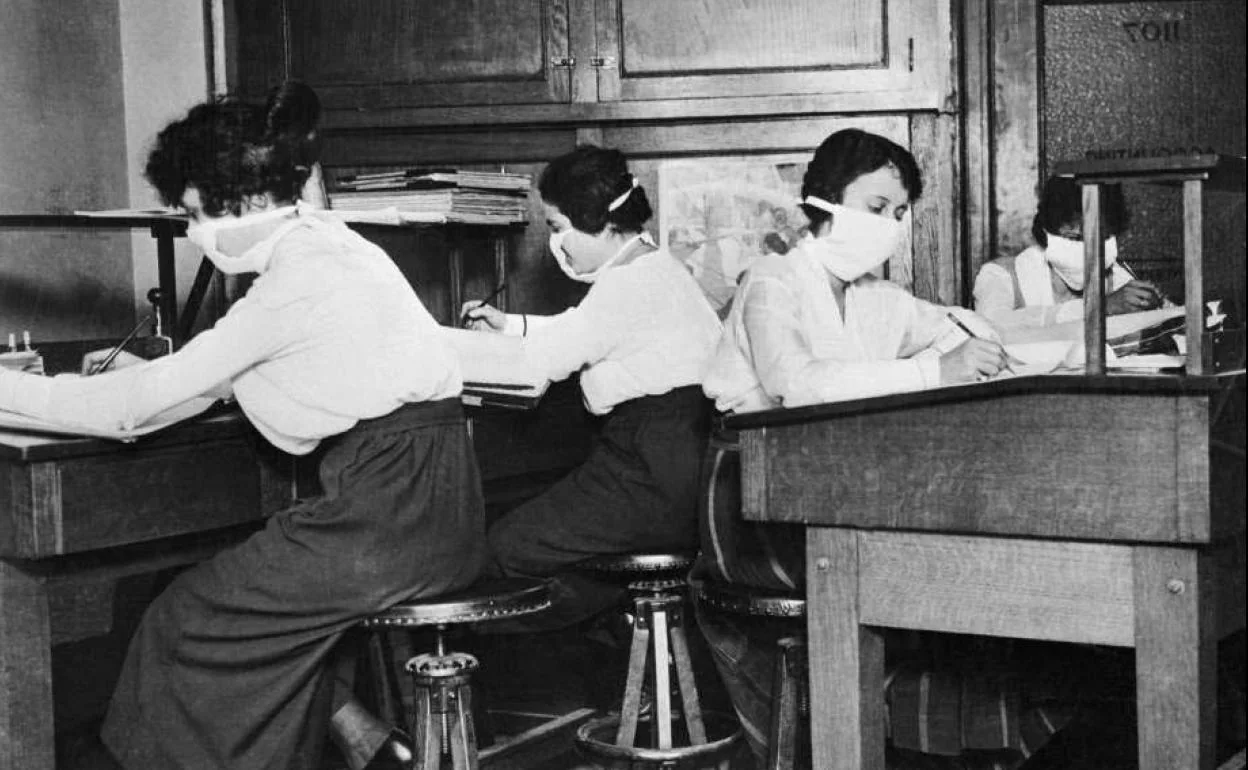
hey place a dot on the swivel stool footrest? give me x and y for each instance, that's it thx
(659, 648)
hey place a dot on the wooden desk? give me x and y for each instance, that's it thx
(1094, 509)
(78, 514)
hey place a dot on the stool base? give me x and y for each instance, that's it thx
(595, 740)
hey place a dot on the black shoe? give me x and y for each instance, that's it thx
(395, 754)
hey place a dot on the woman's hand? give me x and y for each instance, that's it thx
(483, 318)
(96, 357)
(972, 361)
(1133, 296)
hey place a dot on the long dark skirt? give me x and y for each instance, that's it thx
(637, 490)
(230, 666)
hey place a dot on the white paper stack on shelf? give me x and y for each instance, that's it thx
(414, 195)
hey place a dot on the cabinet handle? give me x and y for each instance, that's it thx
(563, 61)
(600, 62)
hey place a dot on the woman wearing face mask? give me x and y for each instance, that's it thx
(1043, 285)
(641, 339)
(330, 346)
(814, 325)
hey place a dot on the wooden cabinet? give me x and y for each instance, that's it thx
(431, 52)
(500, 61)
(694, 49)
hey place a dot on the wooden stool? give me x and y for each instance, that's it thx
(657, 585)
(442, 720)
(790, 708)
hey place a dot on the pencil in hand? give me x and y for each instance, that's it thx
(463, 320)
(958, 323)
(116, 351)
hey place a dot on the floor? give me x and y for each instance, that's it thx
(558, 672)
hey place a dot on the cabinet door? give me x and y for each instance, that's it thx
(694, 49)
(423, 53)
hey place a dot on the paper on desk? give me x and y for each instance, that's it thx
(495, 365)
(1115, 326)
(1043, 357)
(163, 211)
(183, 411)
(1154, 362)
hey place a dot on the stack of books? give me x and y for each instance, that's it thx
(433, 195)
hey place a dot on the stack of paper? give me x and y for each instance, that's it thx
(421, 195)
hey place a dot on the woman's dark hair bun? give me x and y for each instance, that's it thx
(293, 108)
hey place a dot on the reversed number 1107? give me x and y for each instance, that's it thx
(1166, 31)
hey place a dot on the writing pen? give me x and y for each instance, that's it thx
(112, 354)
(464, 318)
(958, 323)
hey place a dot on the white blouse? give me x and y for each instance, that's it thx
(785, 343)
(329, 333)
(995, 296)
(644, 328)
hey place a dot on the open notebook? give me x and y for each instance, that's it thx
(496, 372)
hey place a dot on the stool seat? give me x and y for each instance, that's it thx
(483, 601)
(790, 711)
(747, 600)
(645, 564)
(441, 721)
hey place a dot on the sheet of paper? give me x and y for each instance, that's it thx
(1147, 363)
(165, 211)
(1043, 357)
(486, 358)
(183, 411)
(1115, 326)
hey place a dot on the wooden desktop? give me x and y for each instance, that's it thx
(1092, 509)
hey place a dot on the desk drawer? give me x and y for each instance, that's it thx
(83, 503)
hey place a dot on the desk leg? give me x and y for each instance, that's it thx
(1175, 664)
(26, 732)
(846, 659)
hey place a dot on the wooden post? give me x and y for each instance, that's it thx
(1175, 658)
(1093, 280)
(26, 733)
(847, 723)
(1199, 360)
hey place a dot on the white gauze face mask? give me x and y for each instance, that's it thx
(1065, 255)
(561, 256)
(857, 242)
(254, 259)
